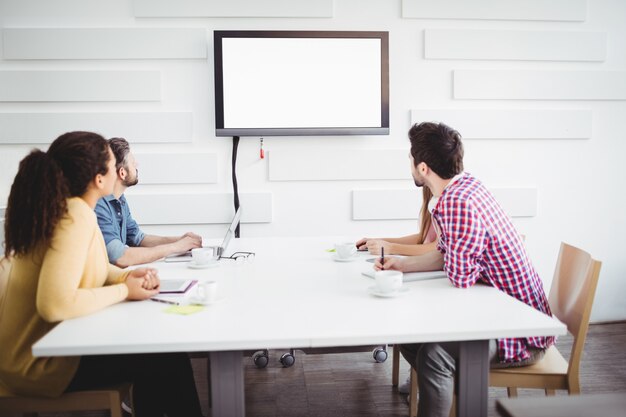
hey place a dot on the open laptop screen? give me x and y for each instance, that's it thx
(186, 256)
(230, 232)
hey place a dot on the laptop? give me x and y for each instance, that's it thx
(186, 256)
(229, 234)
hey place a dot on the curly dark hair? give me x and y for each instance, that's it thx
(439, 146)
(43, 183)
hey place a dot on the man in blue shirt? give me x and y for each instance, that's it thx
(126, 243)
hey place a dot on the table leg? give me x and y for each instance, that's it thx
(472, 379)
(227, 384)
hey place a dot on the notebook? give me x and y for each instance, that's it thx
(186, 256)
(176, 286)
(413, 276)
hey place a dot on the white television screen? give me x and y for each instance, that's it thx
(301, 83)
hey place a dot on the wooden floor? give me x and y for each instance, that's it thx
(352, 384)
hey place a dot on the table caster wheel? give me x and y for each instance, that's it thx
(261, 359)
(287, 360)
(380, 355)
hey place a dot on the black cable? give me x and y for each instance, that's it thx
(234, 174)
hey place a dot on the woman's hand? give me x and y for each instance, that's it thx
(142, 283)
(362, 244)
(374, 246)
(150, 276)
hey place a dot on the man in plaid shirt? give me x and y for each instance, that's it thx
(476, 243)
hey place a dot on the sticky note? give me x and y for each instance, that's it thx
(185, 310)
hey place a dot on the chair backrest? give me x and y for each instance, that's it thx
(571, 295)
(2, 212)
(5, 269)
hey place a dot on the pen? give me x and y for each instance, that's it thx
(382, 258)
(158, 300)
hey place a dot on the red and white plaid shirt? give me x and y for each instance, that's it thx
(479, 243)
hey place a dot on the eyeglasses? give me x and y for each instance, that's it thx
(241, 257)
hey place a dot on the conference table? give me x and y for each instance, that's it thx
(295, 294)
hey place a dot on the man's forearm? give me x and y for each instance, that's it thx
(140, 255)
(150, 241)
(431, 261)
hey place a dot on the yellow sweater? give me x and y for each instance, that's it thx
(50, 284)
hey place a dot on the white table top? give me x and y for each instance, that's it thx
(295, 295)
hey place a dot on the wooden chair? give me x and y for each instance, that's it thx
(395, 379)
(571, 297)
(109, 398)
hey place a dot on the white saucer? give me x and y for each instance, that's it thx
(350, 259)
(195, 301)
(194, 265)
(374, 291)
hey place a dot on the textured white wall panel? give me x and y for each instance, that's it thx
(233, 8)
(339, 164)
(386, 204)
(201, 208)
(80, 85)
(563, 10)
(406, 203)
(514, 45)
(539, 85)
(145, 127)
(517, 202)
(109, 43)
(511, 124)
(177, 168)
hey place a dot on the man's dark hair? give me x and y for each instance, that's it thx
(439, 146)
(121, 149)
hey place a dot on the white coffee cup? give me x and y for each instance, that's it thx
(204, 256)
(388, 281)
(206, 292)
(345, 250)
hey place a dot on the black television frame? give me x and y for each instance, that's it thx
(220, 130)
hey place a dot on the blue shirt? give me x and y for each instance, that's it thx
(118, 227)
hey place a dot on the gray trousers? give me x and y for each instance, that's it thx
(435, 364)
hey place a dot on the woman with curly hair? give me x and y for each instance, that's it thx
(60, 270)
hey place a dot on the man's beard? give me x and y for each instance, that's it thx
(127, 182)
(419, 182)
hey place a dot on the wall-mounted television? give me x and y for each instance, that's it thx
(301, 83)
